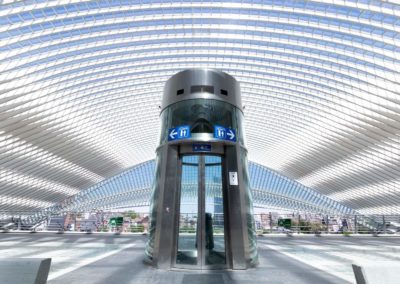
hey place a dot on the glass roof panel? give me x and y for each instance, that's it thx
(79, 79)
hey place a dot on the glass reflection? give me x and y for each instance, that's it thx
(202, 115)
(214, 216)
(187, 232)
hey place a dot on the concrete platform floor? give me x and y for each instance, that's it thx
(107, 258)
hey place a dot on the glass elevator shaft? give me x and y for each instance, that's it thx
(201, 207)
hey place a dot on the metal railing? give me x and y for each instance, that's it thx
(264, 223)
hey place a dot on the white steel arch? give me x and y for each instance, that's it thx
(81, 82)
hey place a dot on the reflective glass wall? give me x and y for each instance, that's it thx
(202, 115)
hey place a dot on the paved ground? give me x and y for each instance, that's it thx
(106, 258)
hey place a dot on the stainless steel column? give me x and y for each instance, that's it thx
(164, 234)
(202, 101)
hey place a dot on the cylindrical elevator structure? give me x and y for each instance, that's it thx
(201, 207)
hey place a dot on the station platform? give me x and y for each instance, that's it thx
(109, 258)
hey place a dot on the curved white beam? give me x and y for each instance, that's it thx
(81, 82)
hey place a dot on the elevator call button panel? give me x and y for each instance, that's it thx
(233, 178)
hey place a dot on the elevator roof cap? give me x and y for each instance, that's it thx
(199, 83)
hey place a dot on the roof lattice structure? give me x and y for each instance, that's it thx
(81, 82)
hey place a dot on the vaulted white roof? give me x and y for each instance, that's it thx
(81, 82)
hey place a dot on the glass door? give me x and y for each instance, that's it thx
(187, 254)
(213, 208)
(201, 224)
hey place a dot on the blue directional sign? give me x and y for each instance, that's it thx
(180, 132)
(223, 133)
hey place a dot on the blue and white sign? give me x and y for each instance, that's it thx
(201, 147)
(223, 133)
(180, 132)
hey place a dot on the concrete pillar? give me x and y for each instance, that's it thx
(355, 224)
(384, 224)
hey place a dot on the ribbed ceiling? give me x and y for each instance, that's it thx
(81, 82)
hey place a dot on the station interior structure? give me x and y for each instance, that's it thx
(81, 88)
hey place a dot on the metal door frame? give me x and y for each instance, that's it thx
(201, 203)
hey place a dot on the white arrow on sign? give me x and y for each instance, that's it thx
(231, 134)
(173, 133)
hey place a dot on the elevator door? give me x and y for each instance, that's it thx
(201, 223)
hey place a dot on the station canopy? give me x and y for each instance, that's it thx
(82, 81)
